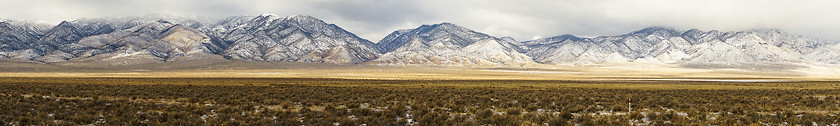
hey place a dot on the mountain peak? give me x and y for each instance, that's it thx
(267, 15)
(654, 28)
(64, 23)
(508, 38)
(303, 20)
(555, 39)
(443, 25)
(164, 21)
(447, 25)
(447, 34)
(301, 17)
(657, 30)
(568, 37)
(446, 28)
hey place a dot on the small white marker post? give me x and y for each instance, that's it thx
(629, 105)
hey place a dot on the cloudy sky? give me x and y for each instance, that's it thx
(521, 19)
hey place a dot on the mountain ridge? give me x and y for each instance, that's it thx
(665, 45)
(448, 44)
(302, 38)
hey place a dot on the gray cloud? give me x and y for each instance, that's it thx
(521, 19)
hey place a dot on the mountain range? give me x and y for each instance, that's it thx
(300, 38)
(448, 44)
(755, 48)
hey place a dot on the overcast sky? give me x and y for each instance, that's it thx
(521, 19)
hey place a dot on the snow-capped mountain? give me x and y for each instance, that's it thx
(16, 36)
(133, 40)
(118, 41)
(84, 38)
(292, 39)
(298, 38)
(154, 41)
(448, 44)
(665, 45)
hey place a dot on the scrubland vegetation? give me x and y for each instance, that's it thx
(253, 101)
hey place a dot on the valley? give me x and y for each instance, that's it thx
(301, 70)
(248, 69)
(314, 101)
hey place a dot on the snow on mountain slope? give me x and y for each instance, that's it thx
(827, 55)
(298, 38)
(448, 44)
(151, 42)
(65, 40)
(664, 45)
(17, 36)
(293, 39)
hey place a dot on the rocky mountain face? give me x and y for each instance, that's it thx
(154, 41)
(692, 47)
(18, 36)
(125, 41)
(138, 40)
(292, 39)
(448, 44)
(119, 41)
